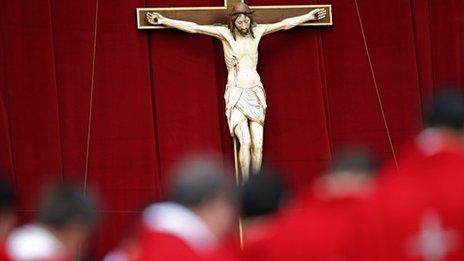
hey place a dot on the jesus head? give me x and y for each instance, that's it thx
(241, 20)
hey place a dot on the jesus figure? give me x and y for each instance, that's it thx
(245, 97)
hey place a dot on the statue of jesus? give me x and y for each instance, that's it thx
(245, 97)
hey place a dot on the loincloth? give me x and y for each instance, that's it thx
(251, 102)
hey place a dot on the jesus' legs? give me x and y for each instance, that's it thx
(242, 133)
(256, 131)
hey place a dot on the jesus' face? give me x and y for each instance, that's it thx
(242, 23)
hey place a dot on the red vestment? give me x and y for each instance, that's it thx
(323, 230)
(3, 254)
(172, 232)
(418, 210)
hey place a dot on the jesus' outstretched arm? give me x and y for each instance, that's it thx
(186, 26)
(288, 23)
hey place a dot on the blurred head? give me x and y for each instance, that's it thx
(203, 186)
(446, 111)
(7, 208)
(241, 20)
(68, 214)
(262, 194)
(350, 173)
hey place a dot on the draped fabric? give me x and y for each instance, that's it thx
(85, 95)
(244, 104)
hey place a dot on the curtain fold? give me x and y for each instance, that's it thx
(158, 96)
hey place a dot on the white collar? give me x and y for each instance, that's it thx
(34, 242)
(177, 220)
(430, 141)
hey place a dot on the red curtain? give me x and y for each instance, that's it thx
(86, 95)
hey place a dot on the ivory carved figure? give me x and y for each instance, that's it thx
(245, 97)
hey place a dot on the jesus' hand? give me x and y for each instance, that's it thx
(155, 18)
(318, 14)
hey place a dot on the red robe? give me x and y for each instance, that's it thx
(163, 246)
(418, 211)
(172, 232)
(322, 230)
(3, 254)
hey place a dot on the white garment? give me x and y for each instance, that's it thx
(34, 242)
(251, 102)
(177, 220)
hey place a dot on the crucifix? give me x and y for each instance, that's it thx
(235, 26)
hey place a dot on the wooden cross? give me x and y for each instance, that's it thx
(219, 15)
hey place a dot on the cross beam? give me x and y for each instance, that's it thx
(209, 15)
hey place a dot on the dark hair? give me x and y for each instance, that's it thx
(355, 160)
(232, 26)
(262, 194)
(8, 199)
(196, 180)
(65, 202)
(446, 110)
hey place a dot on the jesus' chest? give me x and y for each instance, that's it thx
(244, 47)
